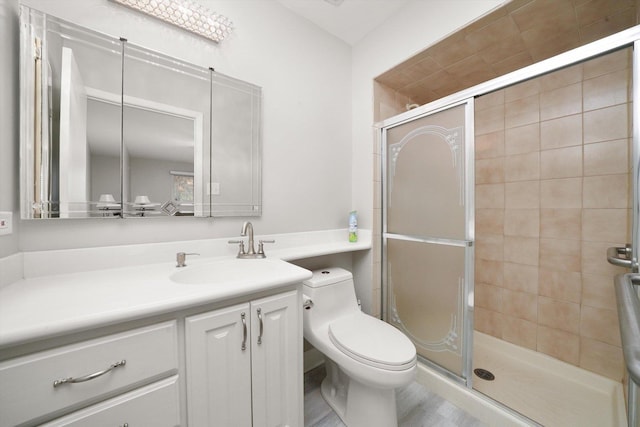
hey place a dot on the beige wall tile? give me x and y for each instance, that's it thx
(490, 196)
(562, 132)
(601, 358)
(522, 139)
(522, 195)
(560, 255)
(600, 324)
(611, 24)
(518, 277)
(377, 194)
(375, 303)
(492, 99)
(606, 124)
(489, 145)
(520, 332)
(522, 90)
(490, 248)
(606, 191)
(563, 101)
(604, 225)
(488, 296)
(489, 120)
(489, 272)
(557, 314)
(522, 305)
(522, 112)
(522, 167)
(522, 222)
(561, 193)
(488, 322)
(560, 223)
(606, 158)
(559, 344)
(490, 171)
(606, 90)
(561, 163)
(489, 222)
(561, 78)
(521, 250)
(598, 291)
(614, 61)
(594, 259)
(560, 285)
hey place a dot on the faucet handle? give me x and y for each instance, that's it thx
(240, 248)
(181, 257)
(261, 246)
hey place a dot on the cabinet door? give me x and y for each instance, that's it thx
(276, 347)
(218, 368)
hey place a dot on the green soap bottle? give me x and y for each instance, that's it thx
(353, 226)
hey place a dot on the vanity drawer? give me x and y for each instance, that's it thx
(155, 405)
(27, 390)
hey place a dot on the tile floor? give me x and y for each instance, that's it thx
(416, 406)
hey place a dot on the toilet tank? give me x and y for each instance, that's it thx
(332, 292)
(328, 276)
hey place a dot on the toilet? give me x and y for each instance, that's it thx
(366, 358)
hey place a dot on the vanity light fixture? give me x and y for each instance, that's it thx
(185, 14)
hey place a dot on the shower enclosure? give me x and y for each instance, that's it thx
(428, 230)
(511, 234)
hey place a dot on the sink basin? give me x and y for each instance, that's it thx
(227, 271)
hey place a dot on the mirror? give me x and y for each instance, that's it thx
(114, 130)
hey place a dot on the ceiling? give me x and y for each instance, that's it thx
(351, 20)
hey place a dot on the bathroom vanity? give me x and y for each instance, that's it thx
(220, 344)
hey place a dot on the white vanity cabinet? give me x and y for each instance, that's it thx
(42, 384)
(244, 364)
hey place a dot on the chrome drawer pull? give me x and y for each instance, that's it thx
(261, 326)
(244, 332)
(89, 377)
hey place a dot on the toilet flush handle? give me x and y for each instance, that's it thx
(307, 302)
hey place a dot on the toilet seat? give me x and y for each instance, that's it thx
(372, 342)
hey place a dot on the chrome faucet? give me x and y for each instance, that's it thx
(250, 252)
(248, 227)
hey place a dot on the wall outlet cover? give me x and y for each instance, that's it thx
(6, 223)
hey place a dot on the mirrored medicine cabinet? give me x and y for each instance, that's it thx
(110, 129)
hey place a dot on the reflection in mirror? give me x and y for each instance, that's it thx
(58, 148)
(166, 134)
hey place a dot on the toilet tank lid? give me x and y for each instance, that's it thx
(328, 276)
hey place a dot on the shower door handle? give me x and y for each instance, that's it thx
(620, 256)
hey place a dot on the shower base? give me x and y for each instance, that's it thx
(544, 389)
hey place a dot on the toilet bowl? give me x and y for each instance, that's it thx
(366, 358)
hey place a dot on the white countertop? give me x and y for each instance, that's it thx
(44, 306)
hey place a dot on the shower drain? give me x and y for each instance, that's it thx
(484, 374)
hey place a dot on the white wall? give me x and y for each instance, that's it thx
(415, 27)
(306, 79)
(9, 120)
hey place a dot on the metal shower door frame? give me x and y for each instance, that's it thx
(468, 181)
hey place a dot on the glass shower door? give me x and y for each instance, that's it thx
(427, 234)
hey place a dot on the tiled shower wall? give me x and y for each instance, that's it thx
(552, 193)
